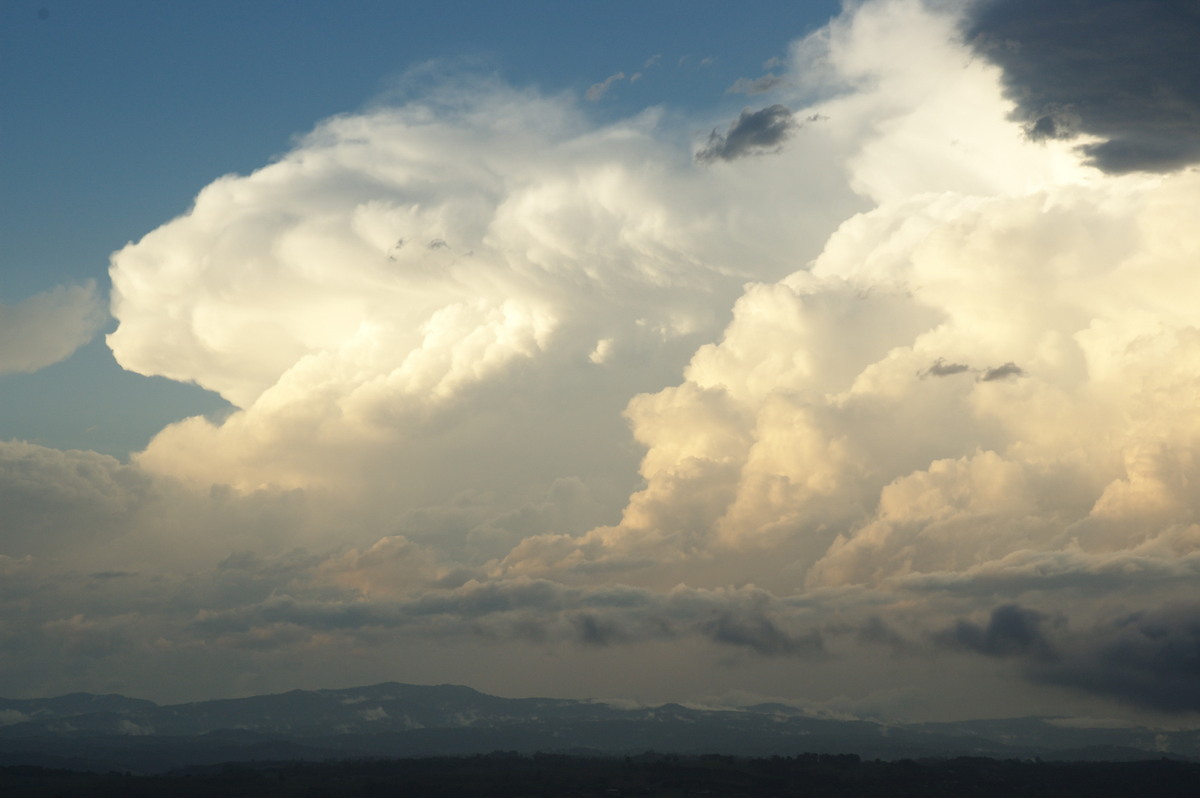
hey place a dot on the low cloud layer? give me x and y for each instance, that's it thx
(905, 406)
(1143, 658)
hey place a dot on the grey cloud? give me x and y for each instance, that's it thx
(1122, 70)
(52, 497)
(1059, 570)
(538, 610)
(759, 85)
(1150, 659)
(753, 133)
(941, 368)
(1009, 369)
(762, 635)
(1012, 631)
(875, 631)
(597, 631)
(106, 575)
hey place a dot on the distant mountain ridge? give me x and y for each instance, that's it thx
(399, 720)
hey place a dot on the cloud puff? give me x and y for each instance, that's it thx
(1119, 70)
(573, 268)
(48, 327)
(1146, 657)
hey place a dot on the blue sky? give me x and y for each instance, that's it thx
(665, 351)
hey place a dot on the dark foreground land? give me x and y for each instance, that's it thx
(508, 774)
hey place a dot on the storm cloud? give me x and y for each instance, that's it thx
(1122, 71)
(1148, 658)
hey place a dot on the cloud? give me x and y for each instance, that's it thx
(1118, 70)
(1009, 369)
(48, 327)
(597, 91)
(752, 133)
(1011, 631)
(1147, 658)
(759, 85)
(941, 368)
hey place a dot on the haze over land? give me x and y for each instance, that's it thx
(869, 387)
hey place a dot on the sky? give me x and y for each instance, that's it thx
(845, 356)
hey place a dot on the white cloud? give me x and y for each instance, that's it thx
(362, 356)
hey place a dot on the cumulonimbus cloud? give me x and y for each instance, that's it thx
(911, 370)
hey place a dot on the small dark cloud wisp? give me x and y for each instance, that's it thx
(1009, 369)
(752, 133)
(941, 368)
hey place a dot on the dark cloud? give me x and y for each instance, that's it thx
(1012, 631)
(1009, 369)
(1149, 659)
(1127, 71)
(762, 635)
(753, 133)
(941, 368)
(526, 609)
(597, 631)
(875, 631)
(1052, 571)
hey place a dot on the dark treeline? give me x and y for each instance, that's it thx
(503, 774)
